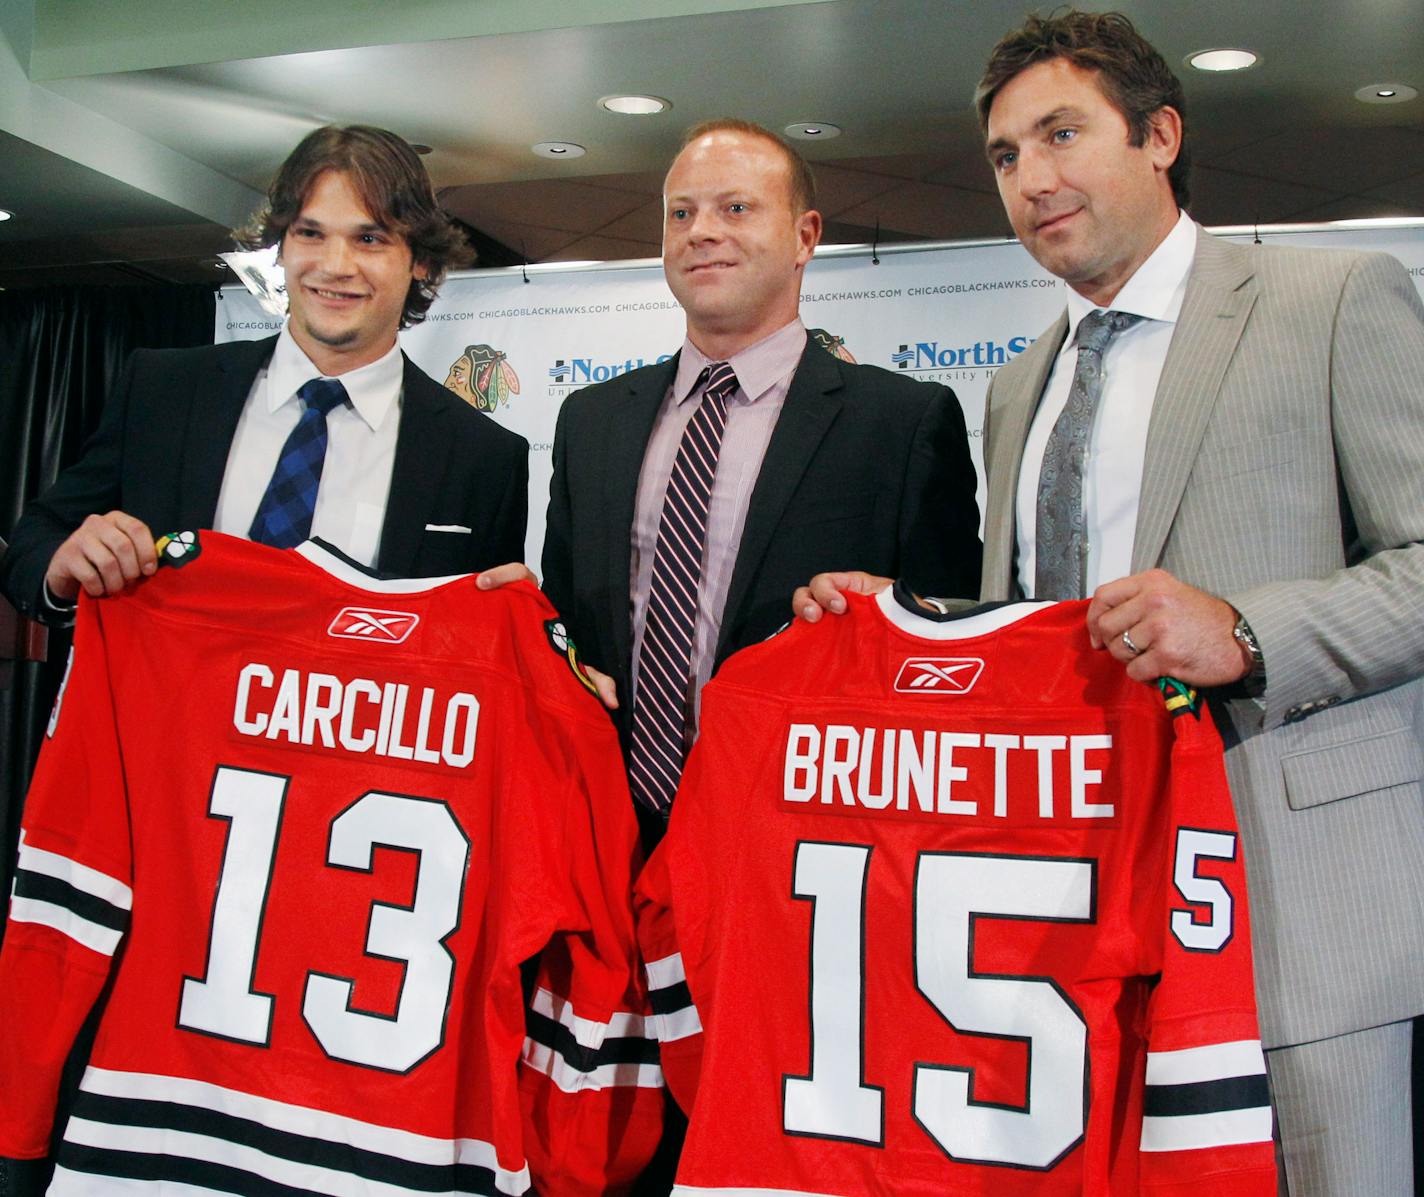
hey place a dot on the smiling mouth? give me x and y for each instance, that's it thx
(334, 296)
(700, 267)
(1055, 221)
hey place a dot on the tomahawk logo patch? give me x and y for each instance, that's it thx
(373, 626)
(938, 675)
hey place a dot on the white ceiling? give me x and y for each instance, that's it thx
(136, 132)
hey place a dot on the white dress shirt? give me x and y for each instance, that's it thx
(1132, 366)
(360, 450)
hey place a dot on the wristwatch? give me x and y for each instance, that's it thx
(1254, 682)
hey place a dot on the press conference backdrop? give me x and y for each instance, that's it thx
(947, 312)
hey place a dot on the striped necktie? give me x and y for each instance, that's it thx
(659, 742)
(284, 517)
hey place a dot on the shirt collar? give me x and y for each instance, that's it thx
(1156, 289)
(758, 367)
(373, 388)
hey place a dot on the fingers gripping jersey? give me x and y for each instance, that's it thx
(319, 821)
(953, 906)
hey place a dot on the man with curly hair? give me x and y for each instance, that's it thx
(325, 429)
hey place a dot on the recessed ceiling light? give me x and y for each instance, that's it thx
(4, 215)
(635, 105)
(812, 130)
(1222, 60)
(1386, 93)
(558, 149)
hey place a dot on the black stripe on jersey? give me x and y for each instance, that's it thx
(339, 1157)
(630, 1049)
(41, 887)
(1206, 1097)
(670, 999)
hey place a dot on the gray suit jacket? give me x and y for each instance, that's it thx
(1285, 472)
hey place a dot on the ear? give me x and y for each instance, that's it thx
(808, 235)
(419, 271)
(1164, 136)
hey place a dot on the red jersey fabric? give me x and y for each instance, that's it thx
(313, 823)
(950, 905)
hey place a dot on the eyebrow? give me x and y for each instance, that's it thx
(311, 222)
(1047, 120)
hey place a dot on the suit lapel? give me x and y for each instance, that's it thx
(629, 423)
(212, 422)
(1015, 396)
(422, 450)
(810, 409)
(1220, 294)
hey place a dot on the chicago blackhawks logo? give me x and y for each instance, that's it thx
(177, 548)
(831, 343)
(482, 376)
(1180, 698)
(562, 643)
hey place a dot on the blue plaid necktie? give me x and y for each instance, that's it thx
(284, 516)
(658, 746)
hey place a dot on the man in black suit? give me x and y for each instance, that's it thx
(412, 481)
(821, 462)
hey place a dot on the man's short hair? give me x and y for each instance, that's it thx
(394, 188)
(1135, 78)
(803, 182)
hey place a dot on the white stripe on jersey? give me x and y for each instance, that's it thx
(302, 1120)
(546, 1060)
(1215, 1062)
(695, 1191)
(104, 940)
(85, 1184)
(678, 1024)
(1185, 1132)
(71, 872)
(176, 1144)
(589, 1032)
(665, 973)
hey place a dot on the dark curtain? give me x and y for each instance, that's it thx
(60, 350)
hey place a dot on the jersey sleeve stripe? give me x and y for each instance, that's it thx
(81, 877)
(1206, 1097)
(674, 1014)
(104, 940)
(572, 1078)
(282, 1130)
(665, 972)
(1240, 1058)
(1193, 1131)
(588, 1032)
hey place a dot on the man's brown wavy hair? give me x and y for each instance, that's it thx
(1134, 77)
(391, 181)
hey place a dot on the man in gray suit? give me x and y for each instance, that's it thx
(1235, 474)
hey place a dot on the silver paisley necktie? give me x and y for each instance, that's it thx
(1061, 538)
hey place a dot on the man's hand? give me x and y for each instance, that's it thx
(503, 575)
(517, 571)
(824, 592)
(1177, 630)
(102, 556)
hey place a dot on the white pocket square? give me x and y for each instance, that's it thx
(448, 528)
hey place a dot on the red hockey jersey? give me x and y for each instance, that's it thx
(319, 821)
(950, 905)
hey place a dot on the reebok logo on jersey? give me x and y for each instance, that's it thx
(367, 623)
(938, 675)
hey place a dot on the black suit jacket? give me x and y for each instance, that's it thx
(865, 470)
(162, 444)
